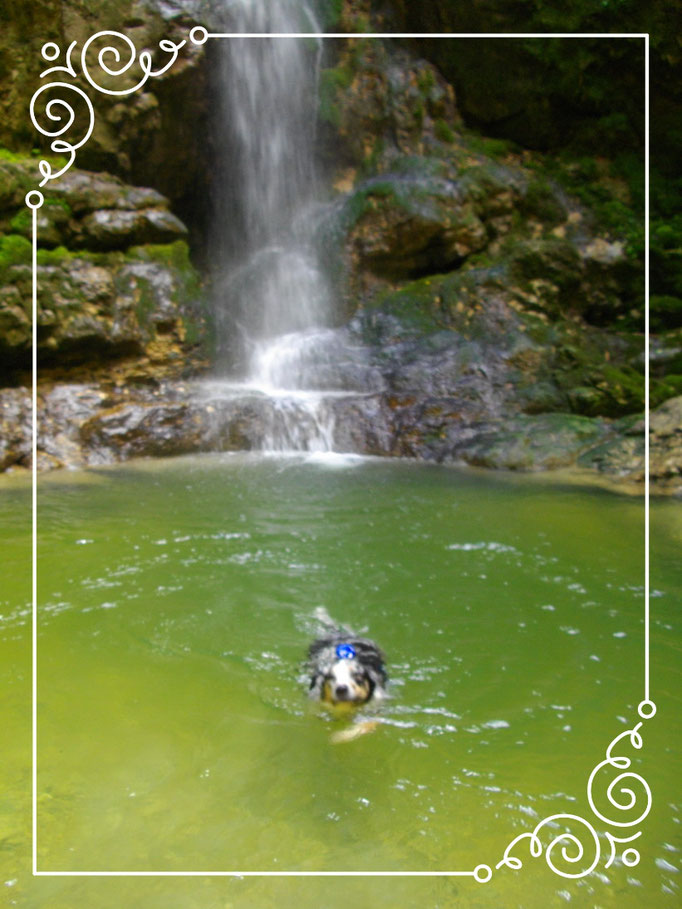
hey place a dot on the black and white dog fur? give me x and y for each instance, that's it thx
(345, 670)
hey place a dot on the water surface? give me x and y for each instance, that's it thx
(174, 733)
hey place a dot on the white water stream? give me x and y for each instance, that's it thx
(274, 299)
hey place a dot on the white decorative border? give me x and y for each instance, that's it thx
(620, 797)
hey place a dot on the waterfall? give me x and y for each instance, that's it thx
(276, 339)
(274, 302)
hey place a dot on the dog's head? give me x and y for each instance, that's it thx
(345, 671)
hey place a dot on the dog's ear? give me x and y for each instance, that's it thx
(377, 676)
(315, 686)
(372, 659)
(318, 646)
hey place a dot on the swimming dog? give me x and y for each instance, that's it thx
(345, 670)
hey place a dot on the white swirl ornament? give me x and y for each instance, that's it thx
(572, 856)
(628, 797)
(61, 111)
(620, 796)
(119, 67)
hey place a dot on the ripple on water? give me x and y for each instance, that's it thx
(394, 547)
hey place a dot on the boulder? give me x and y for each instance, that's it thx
(94, 308)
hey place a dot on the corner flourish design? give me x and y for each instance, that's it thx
(115, 57)
(632, 807)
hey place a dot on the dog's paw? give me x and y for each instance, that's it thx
(353, 732)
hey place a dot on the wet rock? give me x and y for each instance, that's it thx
(132, 135)
(97, 307)
(142, 430)
(87, 191)
(466, 335)
(378, 98)
(113, 229)
(15, 427)
(666, 442)
(364, 424)
(83, 425)
(530, 443)
(623, 456)
(119, 283)
(410, 227)
(86, 210)
(62, 409)
(424, 216)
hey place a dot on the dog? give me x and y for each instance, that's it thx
(345, 671)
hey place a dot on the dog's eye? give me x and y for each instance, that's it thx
(359, 677)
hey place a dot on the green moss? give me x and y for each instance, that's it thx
(541, 201)
(666, 261)
(443, 132)
(189, 292)
(662, 389)
(173, 254)
(625, 387)
(361, 201)
(7, 155)
(415, 305)
(585, 179)
(332, 83)
(329, 12)
(426, 80)
(55, 202)
(14, 250)
(22, 222)
(60, 255)
(362, 24)
(57, 161)
(492, 148)
(368, 166)
(665, 312)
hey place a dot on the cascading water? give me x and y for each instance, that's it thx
(274, 298)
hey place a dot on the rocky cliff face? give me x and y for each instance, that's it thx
(132, 133)
(496, 292)
(116, 290)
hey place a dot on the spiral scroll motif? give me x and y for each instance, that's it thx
(71, 100)
(621, 797)
(572, 849)
(628, 794)
(120, 67)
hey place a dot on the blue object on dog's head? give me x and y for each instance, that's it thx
(345, 652)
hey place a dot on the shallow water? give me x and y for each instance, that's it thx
(174, 734)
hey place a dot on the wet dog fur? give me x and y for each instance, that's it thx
(345, 670)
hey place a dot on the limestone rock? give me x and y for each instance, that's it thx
(115, 229)
(15, 427)
(98, 307)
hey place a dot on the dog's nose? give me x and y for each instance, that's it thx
(341, 692)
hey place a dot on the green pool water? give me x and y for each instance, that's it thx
(174, 733)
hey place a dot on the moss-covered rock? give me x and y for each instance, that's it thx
(85, 210)
(379, 99)
(131, 134)
(469, 330)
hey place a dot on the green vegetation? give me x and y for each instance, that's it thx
(485, 145)
(333, 81)
(443, 132)
(329, 13)
(14, 250)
